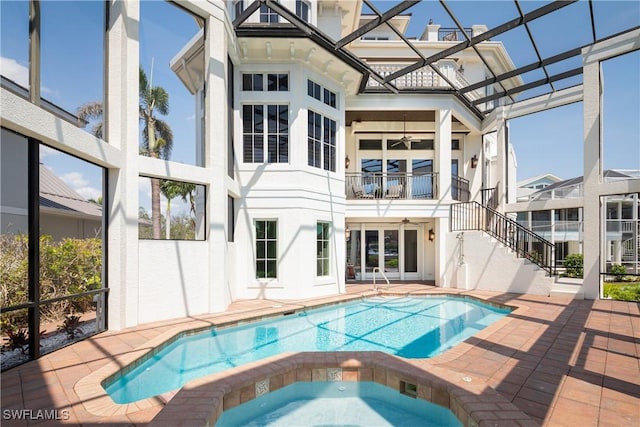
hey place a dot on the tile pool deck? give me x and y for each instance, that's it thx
(559, 361)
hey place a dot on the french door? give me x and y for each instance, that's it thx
(393, 249)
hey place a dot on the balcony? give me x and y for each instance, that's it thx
(406, 186)
(401, 186)
(425, 77)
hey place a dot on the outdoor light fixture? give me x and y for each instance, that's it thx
(347, 162)
(347, 233)
(406, 221)
(432, 235)
(474, 162)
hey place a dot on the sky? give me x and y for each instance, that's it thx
(545, 142)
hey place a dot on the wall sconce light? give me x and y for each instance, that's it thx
(347, 234)
(347, 162)
(474, 162)
(432, 235)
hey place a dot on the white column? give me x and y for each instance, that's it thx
(501, 158)
(592, 172)
(443, 153)
(216, 162)
(441, 230)
(122, 132)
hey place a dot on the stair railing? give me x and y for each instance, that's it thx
(524, 242)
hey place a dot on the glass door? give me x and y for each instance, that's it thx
(391, 245)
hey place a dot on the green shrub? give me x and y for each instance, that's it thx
(574, 265)
(618, 271)
(67, 267)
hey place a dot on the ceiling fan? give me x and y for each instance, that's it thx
(406, 140)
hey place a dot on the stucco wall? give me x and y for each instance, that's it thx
(173, 277)
(490, 266)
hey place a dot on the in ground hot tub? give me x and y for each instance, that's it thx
(337, 403)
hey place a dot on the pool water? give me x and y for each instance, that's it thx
(337, 403)
(411, 327)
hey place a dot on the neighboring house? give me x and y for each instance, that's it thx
(63, 212)
(324, 152)
(564, 226)
(534, 184)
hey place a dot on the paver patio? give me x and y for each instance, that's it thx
(563, 362)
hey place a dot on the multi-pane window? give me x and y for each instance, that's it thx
(268, 15)
(322, 248)
(329, 98)
(329, 145)
(455, 144)
(314, 144)
(276, 137)
(321, 142)
(266, 249)
(302, 10)
(254, 82)
(316, 91)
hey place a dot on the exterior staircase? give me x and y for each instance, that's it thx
(524, 243)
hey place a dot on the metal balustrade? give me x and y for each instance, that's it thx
(525, 243)
(372, 186)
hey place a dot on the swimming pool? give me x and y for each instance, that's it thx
(411, 327)
(337, 403)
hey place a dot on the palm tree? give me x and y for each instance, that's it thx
(170, 190)
(157, 137)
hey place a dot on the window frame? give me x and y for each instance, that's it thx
(266, 135)
(325, 239)
(325, 146)
(266, 239)
(299, 10)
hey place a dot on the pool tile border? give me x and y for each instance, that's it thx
(201, 402)
(97, 402)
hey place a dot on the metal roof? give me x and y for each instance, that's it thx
(55, 194)
(543, 39)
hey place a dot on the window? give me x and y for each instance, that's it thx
(316, 91)
(329, 98)
(276, 138)
(314, 144)
(370, 144)
(255, 82)
(180, 210)
(321, 145)
(268, 15)
(422, 144)
(329, 144)
(455, 144)
(266, 249)
(253, 133)
(302, 10)
(231, 219)
(277, 82)
(238, 8)
(322, 249)
(252, 82)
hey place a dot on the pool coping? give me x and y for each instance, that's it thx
(97, 402)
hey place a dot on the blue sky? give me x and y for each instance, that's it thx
(544, 142)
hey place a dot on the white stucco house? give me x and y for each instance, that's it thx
(330, 148)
